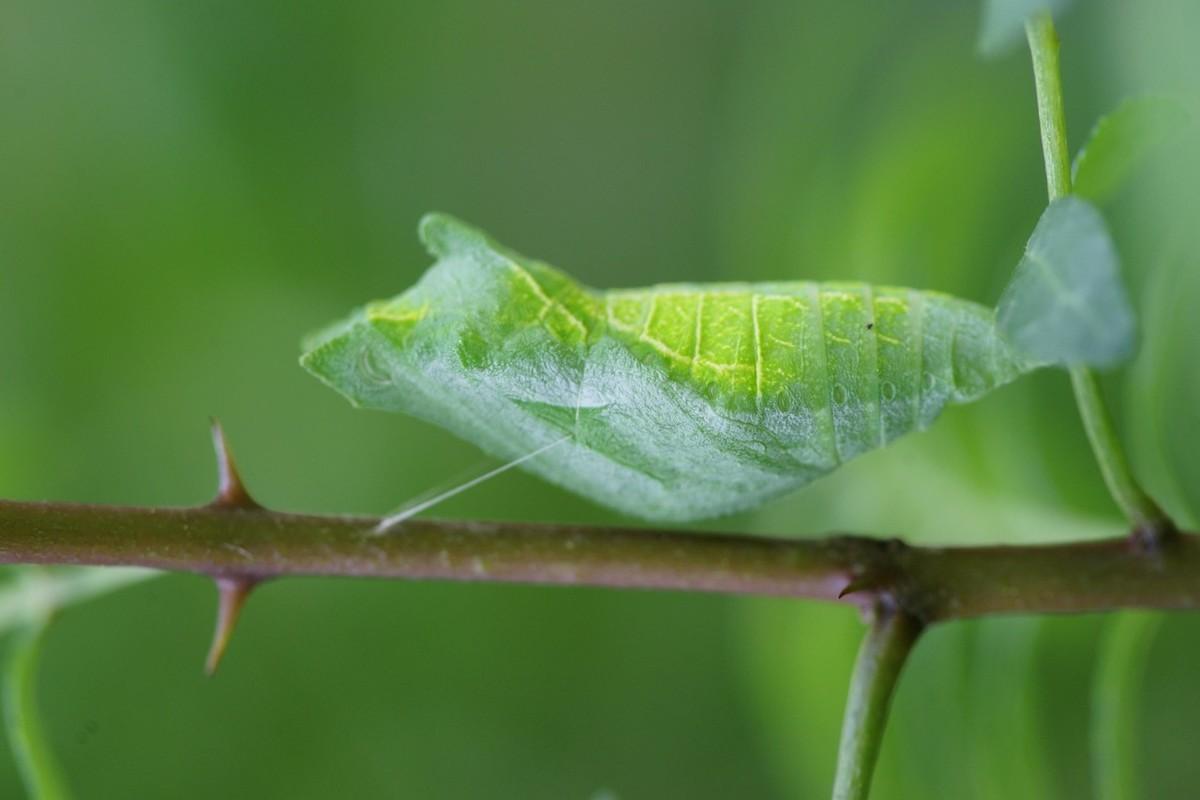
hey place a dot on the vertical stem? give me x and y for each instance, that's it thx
(1142, 511)
(884, 650)
(1137, 506)
(1043, 46)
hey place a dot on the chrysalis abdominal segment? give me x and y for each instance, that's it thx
(674, 402)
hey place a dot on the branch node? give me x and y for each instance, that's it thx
(1150, 538)
(876, 575)
(231, 598)
(231, 492)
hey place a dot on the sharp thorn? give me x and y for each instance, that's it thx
(855, 585)
(231, 492)
(231, 597)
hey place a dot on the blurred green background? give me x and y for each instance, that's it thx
(188, 188)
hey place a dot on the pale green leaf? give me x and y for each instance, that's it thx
(34, 592)
(1121, 141)
(40, 772)
(675, 402)
(29, 596)
(1002, 25)
(1066, 303)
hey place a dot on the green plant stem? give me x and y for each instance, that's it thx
(1137, 506)
(889, 640)
(929, 582)
(1043, 47)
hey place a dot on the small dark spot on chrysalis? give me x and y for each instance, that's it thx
(870, 325)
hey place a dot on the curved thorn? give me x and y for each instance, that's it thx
(231, 492)
(855, 585)
(231, 594)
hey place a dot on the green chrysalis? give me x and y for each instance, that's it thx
(680, 401)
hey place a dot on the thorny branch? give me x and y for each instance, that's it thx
(240, 544)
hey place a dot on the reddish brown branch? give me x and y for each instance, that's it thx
(932, 583)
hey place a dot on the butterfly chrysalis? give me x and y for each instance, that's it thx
(679, 401)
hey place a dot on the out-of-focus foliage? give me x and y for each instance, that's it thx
(29, 598)
(1123, 141)
(23, 723)
(187, 188)
(33, 594)
(1116, 704)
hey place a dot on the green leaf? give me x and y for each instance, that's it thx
(675, 402)
(39, 769)
(1002, 25)
(29, 596)
(34, 592)
(1066, 303)
(1121, 141)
